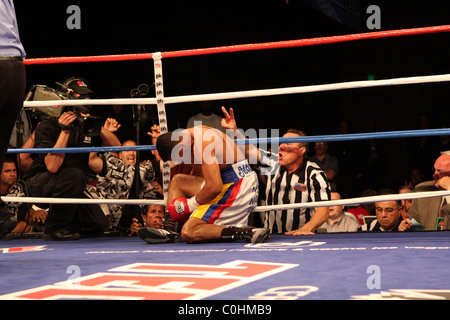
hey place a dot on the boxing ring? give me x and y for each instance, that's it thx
(358, 265)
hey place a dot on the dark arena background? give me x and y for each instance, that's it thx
(319, 267)
(145, 27)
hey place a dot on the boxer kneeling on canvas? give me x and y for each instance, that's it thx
(214, 202)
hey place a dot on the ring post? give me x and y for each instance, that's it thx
(159, 91)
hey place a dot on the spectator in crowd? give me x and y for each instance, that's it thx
(388, 214)
(292, 179)
(433, 212)
(12, 89)
(124, 115)
(25, 215)
(206, 117)
(328, 163)
(63, 175)
(339, 220)
(154, 216)
(9, 178)
(406, 203)
(155, 225)
(416, 176)
(364, 209)
(115, 174)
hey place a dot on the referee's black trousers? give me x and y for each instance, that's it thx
(12, 92)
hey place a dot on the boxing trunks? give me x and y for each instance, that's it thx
(239, 196)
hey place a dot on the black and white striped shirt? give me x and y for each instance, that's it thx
(280, 190)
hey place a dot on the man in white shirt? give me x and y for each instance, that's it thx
(339, 220)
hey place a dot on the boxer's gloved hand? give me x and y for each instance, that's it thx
(180, 208)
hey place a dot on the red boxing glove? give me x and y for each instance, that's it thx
(180, 208)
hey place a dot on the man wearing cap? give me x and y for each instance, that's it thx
(63, 175)
(76, 88)
(433, 213)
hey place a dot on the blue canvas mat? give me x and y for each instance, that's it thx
(319, 267)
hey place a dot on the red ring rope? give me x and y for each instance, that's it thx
(245, 47)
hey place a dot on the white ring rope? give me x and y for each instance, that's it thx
(291, 206)
(245, 94)
(354, 201)
(35, 200)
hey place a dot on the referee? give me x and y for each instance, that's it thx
(12, 87)
(292, 179)
(295, 180)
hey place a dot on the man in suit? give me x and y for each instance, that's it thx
(432, 212)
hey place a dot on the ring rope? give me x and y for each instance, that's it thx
(251, 93)
(279, 140)
(82, 149)
(36, 200)
(246, 94)
(349, 137)
(291, 206)
(352, 201)
(245, 47)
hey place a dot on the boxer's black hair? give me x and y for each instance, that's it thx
(165, 144)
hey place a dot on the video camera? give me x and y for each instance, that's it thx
(90, 126)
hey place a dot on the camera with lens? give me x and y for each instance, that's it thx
(89, 126)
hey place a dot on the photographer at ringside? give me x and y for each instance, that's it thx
(63, 175)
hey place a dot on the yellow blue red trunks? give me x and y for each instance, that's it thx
(236, 201)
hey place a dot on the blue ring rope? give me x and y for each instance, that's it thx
(279, 140)
(351, 137)
(81, 149)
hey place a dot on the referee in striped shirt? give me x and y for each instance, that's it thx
(292, 179)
